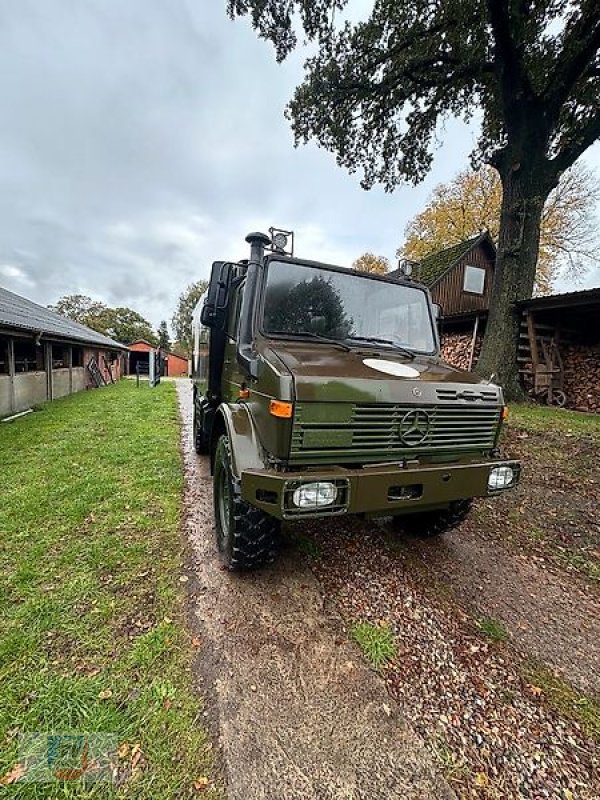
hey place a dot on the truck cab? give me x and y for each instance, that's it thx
(319, 391)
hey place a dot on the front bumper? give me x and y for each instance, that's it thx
(383, 489)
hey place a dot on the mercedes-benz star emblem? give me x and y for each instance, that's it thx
(414, 427)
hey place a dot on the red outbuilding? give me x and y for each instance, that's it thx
(175, 366)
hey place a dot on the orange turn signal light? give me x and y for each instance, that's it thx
(279, 408)
(504, 413)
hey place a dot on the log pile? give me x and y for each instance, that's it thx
(456, 348)
(582, 377)
(581, 368)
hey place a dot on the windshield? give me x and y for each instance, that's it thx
(345, 306)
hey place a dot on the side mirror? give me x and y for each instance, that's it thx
(208, 315)
(437, 311)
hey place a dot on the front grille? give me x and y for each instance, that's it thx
(388, 432)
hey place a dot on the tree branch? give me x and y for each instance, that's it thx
(509, 61)
(580, 47)
(577, 146)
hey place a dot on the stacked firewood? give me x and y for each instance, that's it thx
(582, 377)
(456, 349)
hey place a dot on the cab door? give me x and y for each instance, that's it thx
(233, 376)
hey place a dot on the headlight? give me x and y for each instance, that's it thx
(501, 478)
(315, 495)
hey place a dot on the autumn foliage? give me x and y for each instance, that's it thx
(471, 202)
(369, 262)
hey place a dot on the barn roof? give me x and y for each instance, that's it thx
(431, 268)
(565, 300)
(22, 314)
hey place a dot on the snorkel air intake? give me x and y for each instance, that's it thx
(246, 356)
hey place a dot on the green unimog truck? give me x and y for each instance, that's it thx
(319, 392)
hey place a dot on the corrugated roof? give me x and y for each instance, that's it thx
(18, 312)
(582, 297)
(431, 268)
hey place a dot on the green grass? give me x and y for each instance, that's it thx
(92, 631)
(493, 629)
(541, 419)
(375, 641)
(565, 699)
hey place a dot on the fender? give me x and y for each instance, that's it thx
(246, 450)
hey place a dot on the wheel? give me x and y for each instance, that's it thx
(246, 537)
(201, 445)
(433, 523)
(559, 398)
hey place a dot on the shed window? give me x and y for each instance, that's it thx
(60, 356)
(29, 356)
(77, 357)
(474, 280)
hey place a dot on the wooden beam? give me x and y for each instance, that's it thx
(473, 341)
(535, 359)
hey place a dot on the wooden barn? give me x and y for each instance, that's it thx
(559, 353)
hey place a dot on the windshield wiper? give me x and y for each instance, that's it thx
(311, 335)
(405, 352)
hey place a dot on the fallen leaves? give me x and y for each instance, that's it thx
(481, 779)
(535, 691)
(201, 784)
(13, 775)
(136, 756)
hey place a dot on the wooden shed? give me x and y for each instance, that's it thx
(460, 280)
(559, 353)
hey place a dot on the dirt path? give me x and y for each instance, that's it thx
(297, 713)
(549, 615)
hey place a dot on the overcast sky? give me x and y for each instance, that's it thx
(142, 139)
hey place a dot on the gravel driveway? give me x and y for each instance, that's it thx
(299, 715)
(296, 712)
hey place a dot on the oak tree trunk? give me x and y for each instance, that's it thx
(525, 190)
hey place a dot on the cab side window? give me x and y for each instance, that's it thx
(235, 304)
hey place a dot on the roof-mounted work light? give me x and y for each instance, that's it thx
(280, 239)
(406, 267)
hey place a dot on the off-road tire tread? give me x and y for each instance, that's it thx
(255, 534)
(434, 523)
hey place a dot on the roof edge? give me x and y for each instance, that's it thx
(484, 236)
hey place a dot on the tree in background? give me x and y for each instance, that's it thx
(126, 326)
(164, 341)
(376, 92)
(182, 318)
(471, 202)
(82, 309)
(122, 323)
(368, 262)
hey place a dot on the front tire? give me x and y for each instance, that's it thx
(246, 537)
(430, 524)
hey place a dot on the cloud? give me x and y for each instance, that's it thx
(142, 140)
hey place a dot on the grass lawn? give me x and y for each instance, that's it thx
(540, 419)
(92, 630)
(554, 511)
